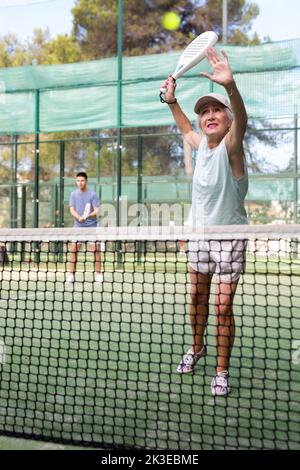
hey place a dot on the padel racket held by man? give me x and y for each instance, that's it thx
(192, 55)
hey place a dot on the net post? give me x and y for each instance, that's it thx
(119, 124)
(54, 245)
(98, 150)
(295, 242)
(23, 220)
(61, 183)
(13, 188)
(61, 194)
(55, 204)
(14, 194)
(36, 190)
(140, 193)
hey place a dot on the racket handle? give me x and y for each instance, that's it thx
(163, 89)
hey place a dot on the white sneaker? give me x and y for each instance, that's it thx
(189, 360)
(220, 384)
(99, 278)
(70, 278)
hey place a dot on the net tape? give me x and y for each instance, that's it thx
(222, 232)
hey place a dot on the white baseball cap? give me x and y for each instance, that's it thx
(211, 97)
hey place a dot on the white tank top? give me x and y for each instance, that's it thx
(217, 197)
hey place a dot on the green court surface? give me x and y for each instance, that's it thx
(16, 443)
(96, 364)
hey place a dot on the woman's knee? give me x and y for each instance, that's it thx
(199, 299)
(224, 310)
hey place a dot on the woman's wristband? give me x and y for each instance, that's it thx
(162, 100)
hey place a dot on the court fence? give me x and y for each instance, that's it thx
(59, 119)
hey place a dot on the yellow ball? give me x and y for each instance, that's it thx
(171, 21)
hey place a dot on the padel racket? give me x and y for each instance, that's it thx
(87, 210)
(193, 54)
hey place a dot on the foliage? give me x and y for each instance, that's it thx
(95, 24)
(95, 30)
(40, 49)
(96, 21)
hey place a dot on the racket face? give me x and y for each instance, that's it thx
(87, 209)
(195, 52)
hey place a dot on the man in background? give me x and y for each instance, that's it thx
(84, 207)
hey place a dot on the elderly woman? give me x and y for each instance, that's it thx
(220, 185)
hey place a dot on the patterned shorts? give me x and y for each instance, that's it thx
(226, 258)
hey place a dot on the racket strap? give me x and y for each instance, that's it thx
(162, 100)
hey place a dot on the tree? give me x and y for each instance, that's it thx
(95, 36)
(96, 29)
(12, 51)
(46, 50)
(96, 22)
(63, 50)
(241, 13)
(40, 49)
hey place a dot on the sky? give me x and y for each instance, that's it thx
(22, 16)
(278, 19)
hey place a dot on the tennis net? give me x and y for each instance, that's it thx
(94, 360)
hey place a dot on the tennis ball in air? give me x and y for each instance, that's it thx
(171, 21)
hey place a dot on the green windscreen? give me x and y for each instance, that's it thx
(84, 95)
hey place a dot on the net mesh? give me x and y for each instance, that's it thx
(95, 362)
